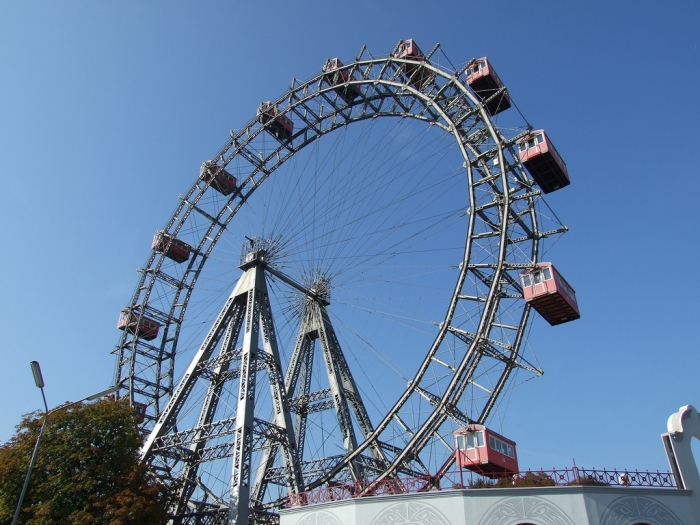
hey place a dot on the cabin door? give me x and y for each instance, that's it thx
(538, 284)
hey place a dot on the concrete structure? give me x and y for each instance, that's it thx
(556, 505)
(573, 505)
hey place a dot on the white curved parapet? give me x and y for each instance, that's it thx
(687, 413)
(683, 426)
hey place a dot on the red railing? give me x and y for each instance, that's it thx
(466, 480)
(401, 485)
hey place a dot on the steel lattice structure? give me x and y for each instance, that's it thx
(480, 332)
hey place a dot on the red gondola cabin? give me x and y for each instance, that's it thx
(280, 126)
(129, 321)
(417, 74)
(484, 81)
(542, 161)
(549, 293)
(337, 77)
(221, 180)
(483, 451)
(172, 247)
(139, 411)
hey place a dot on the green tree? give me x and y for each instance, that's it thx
(87, 471)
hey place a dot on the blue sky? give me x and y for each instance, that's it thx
(107, 111)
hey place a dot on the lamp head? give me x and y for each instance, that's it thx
(36, 370)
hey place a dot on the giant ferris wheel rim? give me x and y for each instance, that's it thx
(368, 74)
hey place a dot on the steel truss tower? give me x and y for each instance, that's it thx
(261, 450)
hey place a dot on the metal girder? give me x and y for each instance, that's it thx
(258, 365)
(219, 360)
(218, 516)
(489, 347)
(448, 408)
(187, 437)
(305, 399)
(309, 468)
(318, 407)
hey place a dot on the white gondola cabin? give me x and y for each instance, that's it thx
(337, 77)
(484, 81)
(485, 452)
(418, 75)
(172, 247)
(543, 162)
(221, 180)
(146, 328)
(549, 293)
(278, 125)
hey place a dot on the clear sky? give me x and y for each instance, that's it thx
(108, 109)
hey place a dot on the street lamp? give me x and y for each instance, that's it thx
(39, 381)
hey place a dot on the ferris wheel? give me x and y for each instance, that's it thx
(344, 285)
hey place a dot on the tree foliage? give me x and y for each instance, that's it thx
(529, 479)
(87, 471)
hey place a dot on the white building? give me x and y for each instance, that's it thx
(552, 505)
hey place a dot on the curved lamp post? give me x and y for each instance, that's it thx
(39, 381)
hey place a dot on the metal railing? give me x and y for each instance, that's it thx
(453, 480)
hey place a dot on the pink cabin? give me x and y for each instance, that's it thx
(417, 74)
(221, 180)
(337, 77)
(278, 125)
(146, 328)
(542, 161)
(549, 293)
(483, 451)
(172, 247)
(484, 81)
